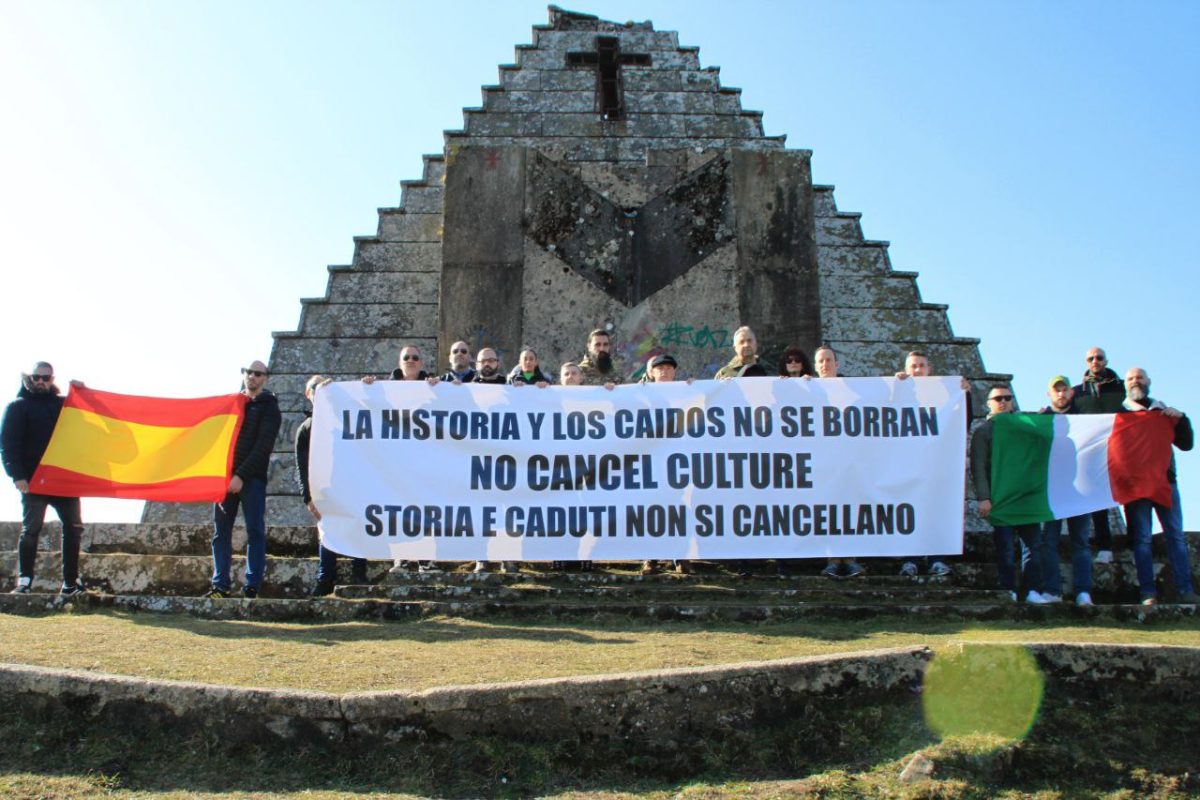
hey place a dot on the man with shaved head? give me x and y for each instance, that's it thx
(248, 487)
(1137, 513)
(1100, 392)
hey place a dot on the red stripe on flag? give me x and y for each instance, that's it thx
(1139, 454)
(66, 483)
(170, 413)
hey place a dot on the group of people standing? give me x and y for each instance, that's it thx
(30, 419)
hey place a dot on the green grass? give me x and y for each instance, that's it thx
(363, 656)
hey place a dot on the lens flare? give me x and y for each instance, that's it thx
(983, 689)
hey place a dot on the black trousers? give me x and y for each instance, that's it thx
(33, 514)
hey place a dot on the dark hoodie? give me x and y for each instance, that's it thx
(28, 422)
(1100, 395)
(256, 439)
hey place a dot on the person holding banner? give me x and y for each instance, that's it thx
(1000, 401)
(826, 362)
(569, 374)
(24, 436)
(599, 367)
(328, 559)
(1100, 392)
(247, 487)
(663, 369)
(460, 370)
(1170, 517)
(1079, 527)
(487, 368)
(527, 372)
(410, 368)
(745, 348)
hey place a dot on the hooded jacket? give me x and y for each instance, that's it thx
(25, 433)
(1099, 395)
(256, 439)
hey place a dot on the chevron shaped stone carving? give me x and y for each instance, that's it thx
(630, 253)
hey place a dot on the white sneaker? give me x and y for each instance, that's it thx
(1036, 598)
(1084, 600)
(908, 570)
(428, 567)
(939, 569)
(1103, 557)
(481, 566)
(509, 567)
(1051, 598)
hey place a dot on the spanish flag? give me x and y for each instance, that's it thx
(141, 448)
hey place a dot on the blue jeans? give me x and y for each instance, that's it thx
(1080, 529)
(327, 567)
(1138, 521)
(253, 500)
(1031, 568)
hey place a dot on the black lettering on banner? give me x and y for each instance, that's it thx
(929, 421)
(655, 521)
(374, 526)
(502, 473)
(389, 423)
(704, 520)
(536, 418)
(361, 424)
(489, 522)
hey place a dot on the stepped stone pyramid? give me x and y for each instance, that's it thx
(608, 180)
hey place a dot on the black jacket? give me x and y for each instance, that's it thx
(498, 378)
(452, 376)
(28, 422)
(1099, 396)
(518, 376)
(256, 439)
(303, 437)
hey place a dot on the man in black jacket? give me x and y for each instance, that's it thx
(248, 487)
(28, 423)
(1100, 392)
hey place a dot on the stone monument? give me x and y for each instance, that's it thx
(608, 180)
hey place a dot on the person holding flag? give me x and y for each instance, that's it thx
(24, 436)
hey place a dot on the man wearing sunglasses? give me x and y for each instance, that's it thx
(1000, 401)
(460, 370)
(28, 423)
(247, 488)
(1102, 391)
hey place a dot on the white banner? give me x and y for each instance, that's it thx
(750, 468)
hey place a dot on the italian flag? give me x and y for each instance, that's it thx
(1054, 466)
(143, 448)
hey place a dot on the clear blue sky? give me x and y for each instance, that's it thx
(174, 176)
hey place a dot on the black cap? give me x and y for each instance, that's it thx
(662, 359)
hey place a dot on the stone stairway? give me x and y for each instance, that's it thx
(162, 567)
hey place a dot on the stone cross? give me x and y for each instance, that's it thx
(607, 60)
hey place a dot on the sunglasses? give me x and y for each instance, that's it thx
(258, 373)
(1096, 358)
(1002, 398)
(410, 358)
(793, 360)
(41, 378)
(457, 352)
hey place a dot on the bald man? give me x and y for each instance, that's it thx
(248, 487)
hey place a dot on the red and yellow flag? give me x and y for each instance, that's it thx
(141, 448)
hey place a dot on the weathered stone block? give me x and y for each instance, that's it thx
(539, 102)
(516, 78)
(383, 287)
(381, 320)
(863, 258)
(701, 80)
(728, 126)
(399, 226)
(823, 201)
(481, 123)
(569, 80)
(886, 324)
(649, 80)
(371, 355)
(840, 290)
(673, 60)
(859, 358)
(381, 256)
(422, 199)
(842, 230)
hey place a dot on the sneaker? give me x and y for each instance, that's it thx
(249, 592)
(1050, 599)
(322, 589)
(509, 567)
(428, 567)
(1190, 598)
(1149, 601)
(939, 569)
(831, 571)
(70, 590)
(1103, 557)
(481, 566)
(1036, 598)
(854, 569)
(1084, 600)
(216, 594)
(908, 569)
(401, 564)
(23, 586)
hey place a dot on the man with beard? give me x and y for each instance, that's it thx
(248, 487)
(599, 368)
(745, 346)
(460, 370)
(1079, 528)
(24, 436)
(487, 368)
(1137, 513)
(1100, 392)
